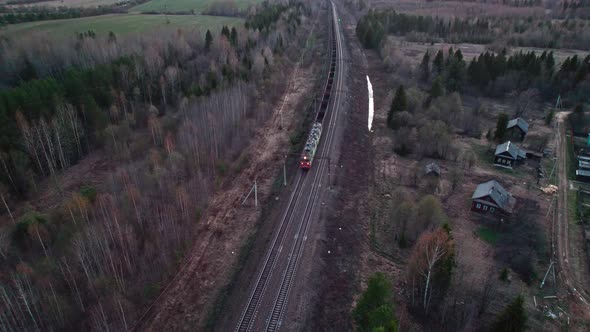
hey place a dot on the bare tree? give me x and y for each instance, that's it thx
(525, 100)
(4, 242)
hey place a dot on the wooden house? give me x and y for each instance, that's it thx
(517, 129)
(508, 155)
(491, 197)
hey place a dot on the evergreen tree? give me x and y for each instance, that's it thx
(208, 39)
(374, 310)
(399, 104)
(450, 55)
(549, 117)
(425, 67)
(437, 89)
(233, 38)
(455, 74)
(459, 55)
(225, 32)
(513, 318)
(501, 126)
(438, 63)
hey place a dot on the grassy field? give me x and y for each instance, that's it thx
(69, 3)
(184, 5)
(120, 24)
(487, 234)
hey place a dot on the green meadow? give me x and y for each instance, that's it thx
(120, 24)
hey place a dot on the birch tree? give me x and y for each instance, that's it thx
(428, 255)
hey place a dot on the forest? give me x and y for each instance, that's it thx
(573, 33)
(169, 112)
(32, 14)
(492, 74)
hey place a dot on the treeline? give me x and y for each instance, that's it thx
(33, 14)
(576, 8)
(169, 111)
(374, 27)
(512, 3)
(498, 75)
(265, 18)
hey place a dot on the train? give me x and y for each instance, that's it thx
(311, 146)
(313, 140)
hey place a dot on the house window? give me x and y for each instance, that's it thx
(478, 206)
(492, 209)
(485, 207)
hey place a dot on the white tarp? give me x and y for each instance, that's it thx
(371, 109)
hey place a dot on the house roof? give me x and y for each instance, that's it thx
(514, 151)
(495, 191)
(432, 168)
(520, 123)
(583, 164)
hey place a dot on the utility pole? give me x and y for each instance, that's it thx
(255, 190)
(255, 193)
(547, 273)
(285, 171)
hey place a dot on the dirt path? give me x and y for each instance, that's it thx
(574, 275)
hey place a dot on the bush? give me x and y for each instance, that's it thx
(88, 192)
(504, 274)
(221, 167)
(28, 219)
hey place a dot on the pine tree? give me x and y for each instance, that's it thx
(501, 126)
(437, 89)
(513, 318)
(399, 104)
(438, 63)
(225, 32)
(208, 40)
(374, 310)
(233, 38)
(550, 63)
(459, 55)
(425, 67)
(455, 73)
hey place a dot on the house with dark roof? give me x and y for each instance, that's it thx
(508, 155)
(491, 197)
(517, 129)
(432, 169)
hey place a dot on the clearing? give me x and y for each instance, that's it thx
(185, 5)
(120, 24)
(456, 8)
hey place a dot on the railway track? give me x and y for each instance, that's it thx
(320, 169)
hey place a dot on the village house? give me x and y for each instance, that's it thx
(491, 197)
(583, 171)
(432, 169)
(517, 129)
(508, 155)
